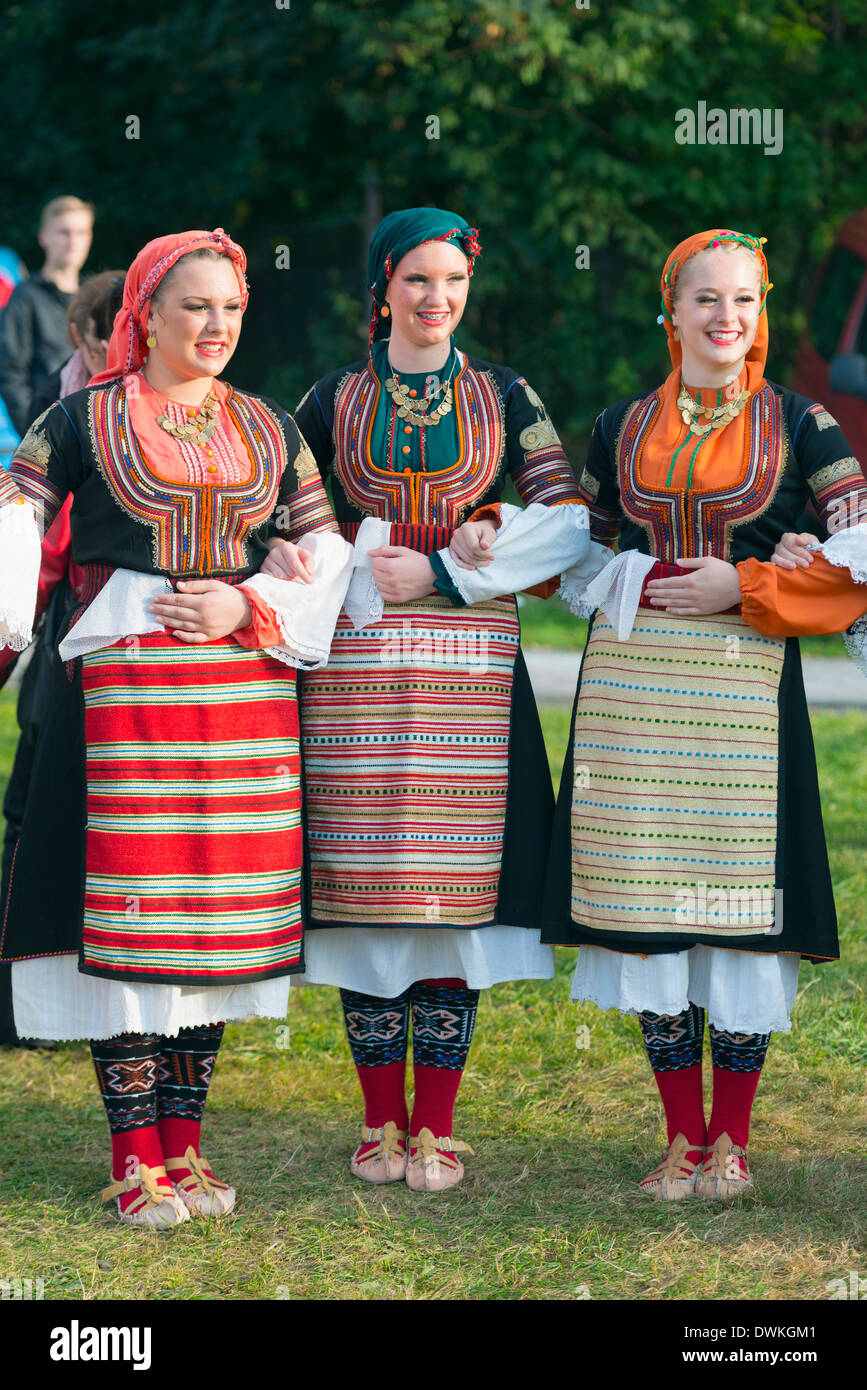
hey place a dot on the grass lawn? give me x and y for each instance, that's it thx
(549, 1207)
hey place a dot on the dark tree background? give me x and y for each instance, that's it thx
(299, 126)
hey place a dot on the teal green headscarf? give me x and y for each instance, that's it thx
(399, 233)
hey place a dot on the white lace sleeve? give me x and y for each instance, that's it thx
(532, 544)
(307, 613)
(848, 550)
(20, 558)
(575, 580)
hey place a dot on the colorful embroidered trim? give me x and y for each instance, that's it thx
(198, 528)
(683, 523)
(441, 498)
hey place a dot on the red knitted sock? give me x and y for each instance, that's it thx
(131, 1147)
(384, 1090)
(436, 1090)
(684, 1104)
(733, 1096)
(175, 1136)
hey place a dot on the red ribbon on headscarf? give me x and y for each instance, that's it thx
(127, 346)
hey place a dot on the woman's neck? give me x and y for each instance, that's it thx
(704, 377)
(184, 390)
(408, 357)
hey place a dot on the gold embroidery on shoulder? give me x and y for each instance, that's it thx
(541, 435)
(305, 463)
(35, 447)
(824, 419)
(834, 472)
(589, 484)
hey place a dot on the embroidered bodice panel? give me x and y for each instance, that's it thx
(443, 498)
(200, 527)
(680, 523)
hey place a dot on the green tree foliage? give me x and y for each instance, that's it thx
(556, 129)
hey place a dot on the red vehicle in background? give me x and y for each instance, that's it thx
(832, 363)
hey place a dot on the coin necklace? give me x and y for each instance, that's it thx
(404, 399)
(701, 419)
(200, 425)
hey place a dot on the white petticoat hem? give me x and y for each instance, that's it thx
(742, 991)
(52, 999)
(384, 961)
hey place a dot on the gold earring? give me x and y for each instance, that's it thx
(151, 340)
(677, 335)
(384, 311)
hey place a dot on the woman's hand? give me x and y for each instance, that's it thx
(402, 574)
(791, 550)
(202, 610)
(711, 587)
(288, 561)
(471, 543)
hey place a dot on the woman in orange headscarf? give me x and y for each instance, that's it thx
(689, 859)
(165, 802)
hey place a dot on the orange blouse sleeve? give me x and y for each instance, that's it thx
(263, 630)
(801, 602)
(489, 513)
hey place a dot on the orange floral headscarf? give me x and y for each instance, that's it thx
(717, 460)
(673, 268)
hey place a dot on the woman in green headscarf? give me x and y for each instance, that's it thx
(428, 797)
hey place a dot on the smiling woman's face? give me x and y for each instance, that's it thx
(196, 318)
(427, 293)
(717, 311)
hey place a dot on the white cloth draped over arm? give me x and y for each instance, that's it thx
(305, 613)
(847, 549)
(20, 558)
(532, 544)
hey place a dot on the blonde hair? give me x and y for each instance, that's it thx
(727, 246)
(58, 206)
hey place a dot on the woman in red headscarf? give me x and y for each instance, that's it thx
(155, 889)
(689, 859)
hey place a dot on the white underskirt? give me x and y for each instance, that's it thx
(52, 999)
(384, 961)
(742, 991)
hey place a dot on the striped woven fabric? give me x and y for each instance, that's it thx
(406, 736)
(674, 803)
(193, 812)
